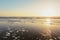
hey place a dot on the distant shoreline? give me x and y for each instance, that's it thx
(29, 17)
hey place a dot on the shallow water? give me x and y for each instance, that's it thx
(29, 29)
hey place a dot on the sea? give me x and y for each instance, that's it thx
(29, 28)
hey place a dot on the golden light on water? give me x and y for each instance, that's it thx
(47, 22)
(47, 25)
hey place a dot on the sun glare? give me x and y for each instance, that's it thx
(48, 22)
(49, 12)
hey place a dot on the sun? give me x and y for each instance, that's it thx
(48, 12)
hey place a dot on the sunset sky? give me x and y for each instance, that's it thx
(29, 8)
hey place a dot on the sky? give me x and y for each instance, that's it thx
(29, 8)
